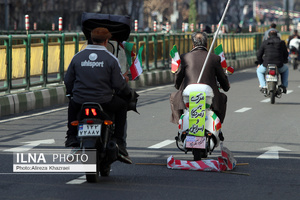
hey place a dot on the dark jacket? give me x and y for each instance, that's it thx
(188, 73)
(272, 51)
(93, 75)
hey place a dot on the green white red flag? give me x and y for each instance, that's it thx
(136, 67)
(175, 59)
(216, 123)
(128, 51)
(219, 51)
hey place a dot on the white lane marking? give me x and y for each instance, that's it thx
(155, 88)
(78, 180)
(59, 109)
(268, 100)
(272, 152)
(30, 145)
(36, 114)
(243, 110)
(161, 144)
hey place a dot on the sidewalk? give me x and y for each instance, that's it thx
(15, 103)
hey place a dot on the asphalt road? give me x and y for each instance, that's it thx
(264, 137)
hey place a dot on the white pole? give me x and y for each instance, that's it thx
(60, 24)
(213, 42)
(136, 25)
(27, 23)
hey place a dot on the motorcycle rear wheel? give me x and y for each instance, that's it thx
(105, 169)
(199, 154)
(272, 97)
(295, 65)
(93, 177)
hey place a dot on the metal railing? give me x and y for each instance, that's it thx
(32, 60)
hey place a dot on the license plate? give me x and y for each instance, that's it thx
(85, 130)
(293, 56)
(195, 142)
(271, 78)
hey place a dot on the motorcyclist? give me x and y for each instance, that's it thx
(272, 28)
(295, 34)
(294, 44)
(189, 71)
(92, 76)
(272, 51)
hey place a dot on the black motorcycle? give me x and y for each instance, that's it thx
(95, 132)
(96, 126)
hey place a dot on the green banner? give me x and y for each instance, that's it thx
(197, 113)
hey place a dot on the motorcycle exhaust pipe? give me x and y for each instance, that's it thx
(112, 151)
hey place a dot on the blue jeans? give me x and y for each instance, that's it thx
(284, 72)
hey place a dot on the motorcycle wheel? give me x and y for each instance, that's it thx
(295, 65)
(93, 177)
(272, 97)
(105, 169)
(199, 154)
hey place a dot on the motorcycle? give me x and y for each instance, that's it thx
(272, 79)
(95, 131)
(294, 57)
(199, 127)
(96, 126)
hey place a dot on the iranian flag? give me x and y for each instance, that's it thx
(175, 59)
(136, 67)
(217, 123)
(128, 51)
(219, 51)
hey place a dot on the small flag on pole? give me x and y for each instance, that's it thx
(175, 59)
(219, 51)
(127, 46)
(136, 67)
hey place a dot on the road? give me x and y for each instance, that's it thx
(265, 137)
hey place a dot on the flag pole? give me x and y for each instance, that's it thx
(213, 42)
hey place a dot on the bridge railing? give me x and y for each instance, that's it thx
(32, 60)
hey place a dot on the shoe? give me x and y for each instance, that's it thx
(263, 90)
(283, 89)
(122, 150)
(124, 159)
(71, 141)
(221, 136)
(123, 154)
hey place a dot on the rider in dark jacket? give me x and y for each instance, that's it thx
(272, 51)
(92, 76)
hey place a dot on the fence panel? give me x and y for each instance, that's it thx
(45, 55)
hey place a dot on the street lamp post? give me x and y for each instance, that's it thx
(287, 19)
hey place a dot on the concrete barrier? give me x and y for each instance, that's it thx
(25, 101)
(51, 96)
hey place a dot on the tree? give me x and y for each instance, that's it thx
(192, 12)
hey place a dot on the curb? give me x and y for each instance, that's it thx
(31, 100)
(52, 96)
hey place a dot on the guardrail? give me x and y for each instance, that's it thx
(33, 60)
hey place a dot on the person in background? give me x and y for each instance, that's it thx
(188, 73)
(272, 51)
(295, 34)
(272, 28)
